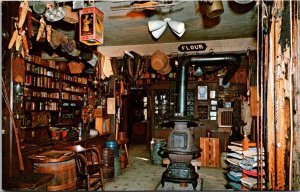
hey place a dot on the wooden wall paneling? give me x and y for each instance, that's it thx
(254, 108)
(210, 156)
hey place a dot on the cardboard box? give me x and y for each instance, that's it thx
(91, 26)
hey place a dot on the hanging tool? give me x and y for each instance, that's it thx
(6, 100)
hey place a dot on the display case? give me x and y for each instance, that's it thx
(164, 106)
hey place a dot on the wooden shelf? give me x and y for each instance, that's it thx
(74, 82)
(42, 75)
(42, 98)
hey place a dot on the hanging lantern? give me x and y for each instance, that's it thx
(91, 26)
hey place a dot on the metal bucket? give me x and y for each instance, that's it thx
(155, 147)
(114, 146)
(214, 9)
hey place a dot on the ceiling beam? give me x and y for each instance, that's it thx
(217, 46)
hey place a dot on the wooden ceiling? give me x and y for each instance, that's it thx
(127, 27)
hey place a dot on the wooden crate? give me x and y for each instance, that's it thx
(210, 155)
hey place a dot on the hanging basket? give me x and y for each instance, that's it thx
(75, 67)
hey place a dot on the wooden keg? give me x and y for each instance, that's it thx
(108, 161)
(59, 163)
(108, 157)
(108, 173)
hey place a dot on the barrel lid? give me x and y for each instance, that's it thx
(52, 156)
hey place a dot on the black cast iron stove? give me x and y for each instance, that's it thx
(180, 148)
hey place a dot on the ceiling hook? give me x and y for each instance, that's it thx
(211, 51)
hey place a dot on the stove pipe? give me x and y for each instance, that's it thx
(231, 61)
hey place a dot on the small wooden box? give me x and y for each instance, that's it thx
(98, 113)
(210, 155)
(91, 26)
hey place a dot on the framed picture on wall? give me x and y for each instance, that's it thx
(202, 92)
(212, 94)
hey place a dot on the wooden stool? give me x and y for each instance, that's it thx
(123, 142)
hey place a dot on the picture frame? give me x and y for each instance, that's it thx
(202, 92)
(213, 114)
(212, 94)
(214, 102)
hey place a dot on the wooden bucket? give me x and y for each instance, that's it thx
(122, 136)
(123, 158)
(160, 62)
(59, 163)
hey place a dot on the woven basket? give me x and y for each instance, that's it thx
(75, 67)
(71, 17)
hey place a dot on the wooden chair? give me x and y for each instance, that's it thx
(88, 168)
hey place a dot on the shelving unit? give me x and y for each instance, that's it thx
(242, 174)
(164, 103)
(50, 89)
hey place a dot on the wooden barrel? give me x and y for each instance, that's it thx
(59, 163)
(108, 173)
(108, 157)
(108, 160)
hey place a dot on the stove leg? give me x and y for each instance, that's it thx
(162, 182)
(194, 183)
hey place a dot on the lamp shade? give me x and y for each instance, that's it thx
(156, 24)
(157, 33)
(157, 27)
(177, 27)
(178, 34)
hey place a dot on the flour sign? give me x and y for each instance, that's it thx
(192, 47)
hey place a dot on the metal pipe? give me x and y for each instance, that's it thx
(230, 60)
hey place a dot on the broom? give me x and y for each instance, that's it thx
(6, 100)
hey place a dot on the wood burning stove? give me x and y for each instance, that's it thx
(180, 148)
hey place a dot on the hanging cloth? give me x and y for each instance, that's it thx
(107, 69)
